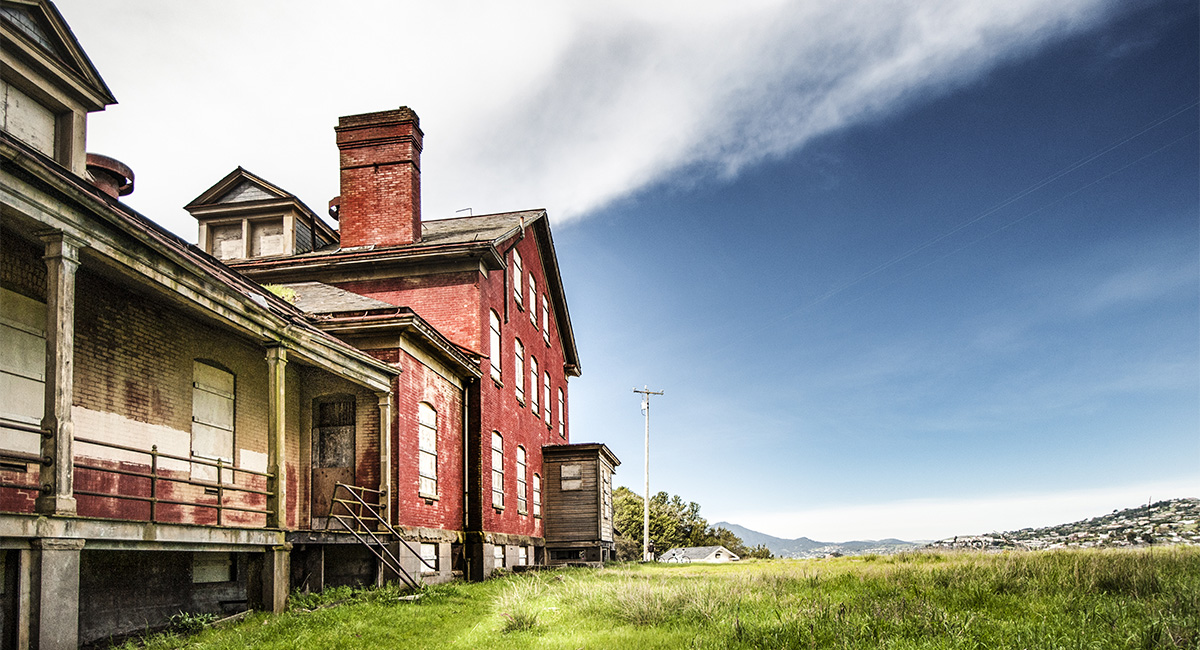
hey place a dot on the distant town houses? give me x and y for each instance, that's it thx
(1164, 522)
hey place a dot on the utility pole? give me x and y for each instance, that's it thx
(646, 393)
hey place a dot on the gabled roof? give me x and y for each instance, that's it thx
(241, 192)
(483, 237)
(34, 32)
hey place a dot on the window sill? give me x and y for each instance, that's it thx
(523, 512)
(537, 516)
(498, 509)
(499, 384)
(429, 497)
(521, 401)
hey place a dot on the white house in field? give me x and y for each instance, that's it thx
(709, 554)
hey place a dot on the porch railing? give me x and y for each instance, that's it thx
(224, 491)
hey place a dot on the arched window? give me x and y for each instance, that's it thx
(519, 370)
(494, 348)
(497, 470)
(521, 467)
(545, 320)
(427, 441)
(212, 419)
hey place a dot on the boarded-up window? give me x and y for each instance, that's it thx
(266, 238)
(522, 555)
(521, 487)
(537, 495)
(519, 370)
(494, 348)
(226, 241)
(572, 477)
(212, 419)
(333, 446)
(27, 119)
(427, 425)
(533, 384)
(497, 470)
(517, 277)
(22, 369)
(498, 556)
(212, 567)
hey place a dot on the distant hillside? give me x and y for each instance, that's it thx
(1165, 522)
(803, 547)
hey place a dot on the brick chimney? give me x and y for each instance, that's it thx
(380, 178)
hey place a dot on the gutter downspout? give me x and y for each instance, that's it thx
(465, 477)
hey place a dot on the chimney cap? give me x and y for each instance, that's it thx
(398, 115)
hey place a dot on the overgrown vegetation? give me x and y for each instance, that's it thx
(673, 524)
(1141, 599)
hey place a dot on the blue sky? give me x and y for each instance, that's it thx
(907, 269)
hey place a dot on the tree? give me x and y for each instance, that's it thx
(673, 523)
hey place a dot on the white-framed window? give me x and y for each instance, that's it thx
(212, 420)
(533, 384)
(498, 556)
(429, 555)
(494, 348)
(537, 495)
(519, 370)
(427, 443)
(497, 470)
(522, 507)
(545, 320)
(517, 278)
(546, 398)
(562, 415)
(533, 300)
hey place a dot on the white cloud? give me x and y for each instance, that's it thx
(566, 106)
(947, 517)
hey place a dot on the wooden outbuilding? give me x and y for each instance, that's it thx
(579, 506)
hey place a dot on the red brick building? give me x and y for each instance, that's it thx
(489, 283)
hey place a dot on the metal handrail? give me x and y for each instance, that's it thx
(394, 564)
(154, 476)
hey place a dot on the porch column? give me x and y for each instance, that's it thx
(56, 472)
(54, 593)
(276, 578)
(276, 429)
(385, 455)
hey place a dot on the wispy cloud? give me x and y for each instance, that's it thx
(645, 97)
(567, 106)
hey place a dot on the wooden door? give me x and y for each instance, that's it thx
(332, 451)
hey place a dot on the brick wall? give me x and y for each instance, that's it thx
(418, 383)
(449, 302)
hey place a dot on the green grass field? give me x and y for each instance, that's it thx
(1045, 600)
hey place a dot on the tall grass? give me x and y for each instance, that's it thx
(1143, 599)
